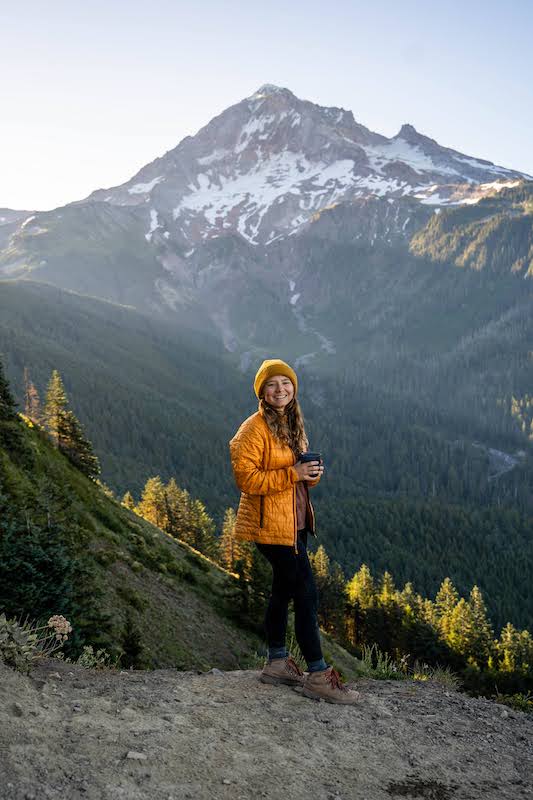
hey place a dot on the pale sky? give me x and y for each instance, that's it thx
(93, 91)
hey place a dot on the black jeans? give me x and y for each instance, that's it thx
(292, 578)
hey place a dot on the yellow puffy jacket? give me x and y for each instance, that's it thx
(264, 472)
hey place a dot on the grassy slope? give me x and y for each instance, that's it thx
(182, 603)
(178, 599)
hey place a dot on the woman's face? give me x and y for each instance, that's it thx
(278, 391)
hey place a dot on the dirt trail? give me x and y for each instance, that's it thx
(70, 733)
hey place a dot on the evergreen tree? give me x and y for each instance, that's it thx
(128, 501)
(445, 602)
(77, 448)
(361, 588)
(387, 590)
(134, 654)
(460, 632)
(7, 401)
(177, 502)
(508, 647)
(203, 530)
(10, 429)
(320, 563)
(55, 409)
(229, 550)
(332, 597)
(66, 431)
(482, 644)
(152, 505)
(32, 402)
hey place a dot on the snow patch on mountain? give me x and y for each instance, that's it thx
(145, 188)
(154, 225)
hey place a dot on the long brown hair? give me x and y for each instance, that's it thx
(289, 427)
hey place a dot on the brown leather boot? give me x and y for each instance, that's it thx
(326, 684)
(282, 670)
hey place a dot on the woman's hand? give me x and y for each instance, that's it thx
(309, 470)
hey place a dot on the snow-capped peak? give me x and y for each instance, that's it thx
(269, 89)
(268, 165)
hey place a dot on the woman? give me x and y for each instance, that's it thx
(276, 513)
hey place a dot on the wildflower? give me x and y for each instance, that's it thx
(61, 627)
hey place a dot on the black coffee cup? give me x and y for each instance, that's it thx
(305, 457)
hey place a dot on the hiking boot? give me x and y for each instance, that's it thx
(326, 684)
(282, 670)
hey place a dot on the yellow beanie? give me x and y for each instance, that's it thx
(273, 366)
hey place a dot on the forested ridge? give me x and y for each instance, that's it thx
(394, 460)
(44, 568)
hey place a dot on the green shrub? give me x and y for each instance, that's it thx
(91, 659)
(381, 666)
(520, 702)
(21, 643)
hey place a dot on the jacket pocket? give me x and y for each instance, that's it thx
(261, 500)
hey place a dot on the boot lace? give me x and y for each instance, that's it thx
(333, 677)
(292, 666)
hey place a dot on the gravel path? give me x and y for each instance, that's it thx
(70, 733)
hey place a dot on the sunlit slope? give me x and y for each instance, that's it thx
(153, 397)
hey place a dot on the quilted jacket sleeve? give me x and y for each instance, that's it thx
(246, 449)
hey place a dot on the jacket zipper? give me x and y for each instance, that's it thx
(261, 511)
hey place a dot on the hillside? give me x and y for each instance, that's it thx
(138, 384)
(159, 399)
(69, 732)
(121, 578)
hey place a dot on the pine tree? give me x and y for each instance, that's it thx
(320, 563)
(229, 550)
(11, 437)
(445, 602)
(152, 505)
(508, 647)
(387, 590)
(32, 402)
(482, 644)
(361, 588)
(128, 501)
(7, 401)
(77, 448)
(177, 503)
(460, 631)
(410, 600)
(55, 409)
(203, 530)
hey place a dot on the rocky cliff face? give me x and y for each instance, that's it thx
(69, 732)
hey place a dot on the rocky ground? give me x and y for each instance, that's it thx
(67, 732)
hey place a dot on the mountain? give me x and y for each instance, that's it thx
(263, 171)
(410, 329)
(265, 166)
